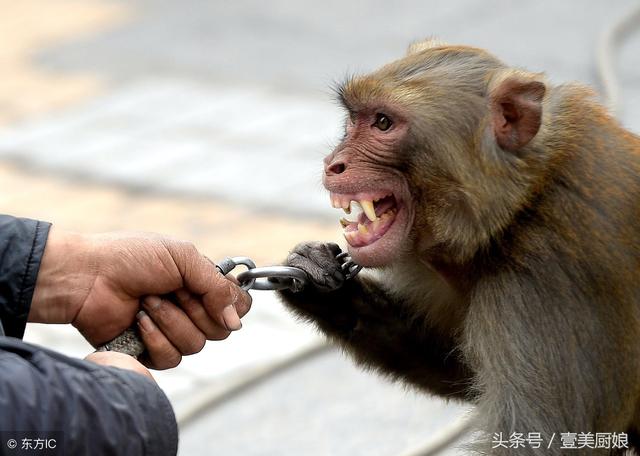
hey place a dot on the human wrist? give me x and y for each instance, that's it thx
(64, 279)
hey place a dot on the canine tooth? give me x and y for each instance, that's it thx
(367, 207)
(362, 229)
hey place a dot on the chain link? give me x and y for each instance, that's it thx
(278, 277)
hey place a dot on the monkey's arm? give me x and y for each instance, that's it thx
(361, 316)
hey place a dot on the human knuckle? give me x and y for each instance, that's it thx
(195, 345)
(189, 248)
(172, 359)
(160, 314)
(155, 342)
(244, 303)
(219, 335)
(226, 293)
(183, 296)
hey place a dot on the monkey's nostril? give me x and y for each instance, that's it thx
(336, 168)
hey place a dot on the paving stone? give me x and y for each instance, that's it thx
(252, 155)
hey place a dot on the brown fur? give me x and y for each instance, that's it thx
(519, 285)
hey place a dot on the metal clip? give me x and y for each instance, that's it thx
(227, 265)
(279, 277)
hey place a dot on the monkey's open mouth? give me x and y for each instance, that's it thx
(369, 216)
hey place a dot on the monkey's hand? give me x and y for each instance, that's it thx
(364, 318)
(319, 261)
(328, 298)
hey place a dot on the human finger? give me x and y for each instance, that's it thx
(193, 307)
(160, 353)
(175, 324)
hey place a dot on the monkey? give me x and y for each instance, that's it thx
(497, 218)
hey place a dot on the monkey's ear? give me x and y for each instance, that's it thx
(429, 43)
(516, 110)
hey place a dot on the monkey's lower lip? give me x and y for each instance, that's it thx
(368, 232)
(376, 217)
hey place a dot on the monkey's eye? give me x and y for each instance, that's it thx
(382, 123)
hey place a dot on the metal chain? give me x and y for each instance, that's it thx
(279, 277)
(267, 278)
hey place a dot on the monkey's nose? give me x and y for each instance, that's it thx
(335, 168)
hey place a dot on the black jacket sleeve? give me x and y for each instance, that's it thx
(88, 409)
(22, 243)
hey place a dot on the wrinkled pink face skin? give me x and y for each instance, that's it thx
(364, 181)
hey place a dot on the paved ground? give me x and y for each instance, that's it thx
(208, 120)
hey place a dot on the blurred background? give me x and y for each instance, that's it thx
(208, 120)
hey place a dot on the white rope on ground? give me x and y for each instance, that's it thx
(445, 438)
(610, 40)
(211, 396)
(208, 397)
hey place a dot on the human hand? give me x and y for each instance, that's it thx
(96, 283)
(120, 360)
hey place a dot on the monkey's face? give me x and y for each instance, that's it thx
(435, 155)
(365, 181)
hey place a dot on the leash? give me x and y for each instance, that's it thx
(254, 278)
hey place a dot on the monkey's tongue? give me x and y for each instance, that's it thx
(365, 232)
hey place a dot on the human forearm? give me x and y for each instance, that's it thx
(67, 272)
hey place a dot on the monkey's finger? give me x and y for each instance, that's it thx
(160, 353)
(175, 325)
(194, 308)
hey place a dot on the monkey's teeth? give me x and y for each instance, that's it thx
(354, 210)
(388, 214)
(344, 222)
(362, 229)
(370, 212)
(375, 225)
